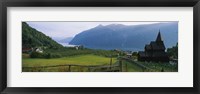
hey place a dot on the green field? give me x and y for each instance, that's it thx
(90, 60)
(150, 67)
(160, 66)
(79, 60)
(132, 66)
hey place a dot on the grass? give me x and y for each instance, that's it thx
(158, 66)
(90, 59)
(79, 60)
(67, 51)
(130, 67)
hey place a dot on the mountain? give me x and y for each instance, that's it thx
(127, 37)
(33, 38)
(65, 40)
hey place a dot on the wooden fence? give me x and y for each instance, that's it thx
(91, 68)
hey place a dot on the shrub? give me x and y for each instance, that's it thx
(50, 55)
(36, 55)
(44, 55)
(47, 55)
(55, 56)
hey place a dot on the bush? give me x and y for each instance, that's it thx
(55, 56)
(44, 55)
(36, 55)
(47, 55)
(50, 55)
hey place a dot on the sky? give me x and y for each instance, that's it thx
(61, 30)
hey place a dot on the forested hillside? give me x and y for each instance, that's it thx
(33, 38)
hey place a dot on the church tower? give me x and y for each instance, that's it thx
(155, 51)
(158, 37)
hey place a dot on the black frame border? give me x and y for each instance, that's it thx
(101, 3)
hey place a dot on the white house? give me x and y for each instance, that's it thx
(39, 50)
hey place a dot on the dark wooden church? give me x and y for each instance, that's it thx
(155, 51)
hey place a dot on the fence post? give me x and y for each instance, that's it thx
(110, 62)
(126, 68)
(79, 68)
(89, 69)
(69, 68)
(120, 64)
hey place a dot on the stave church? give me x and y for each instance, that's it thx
(155, 51)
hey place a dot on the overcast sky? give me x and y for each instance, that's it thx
(70, 29)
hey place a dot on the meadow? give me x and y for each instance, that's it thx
(161, 66)
(89, 59)
(132, 65)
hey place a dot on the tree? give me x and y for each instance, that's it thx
(173, 52)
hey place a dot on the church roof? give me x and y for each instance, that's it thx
(148, 47)
(142, 54)
(157, 46)
(159, 37)
(155, 54)
(159, 54)
(155, 51)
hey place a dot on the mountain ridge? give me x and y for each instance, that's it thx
(126, 37)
